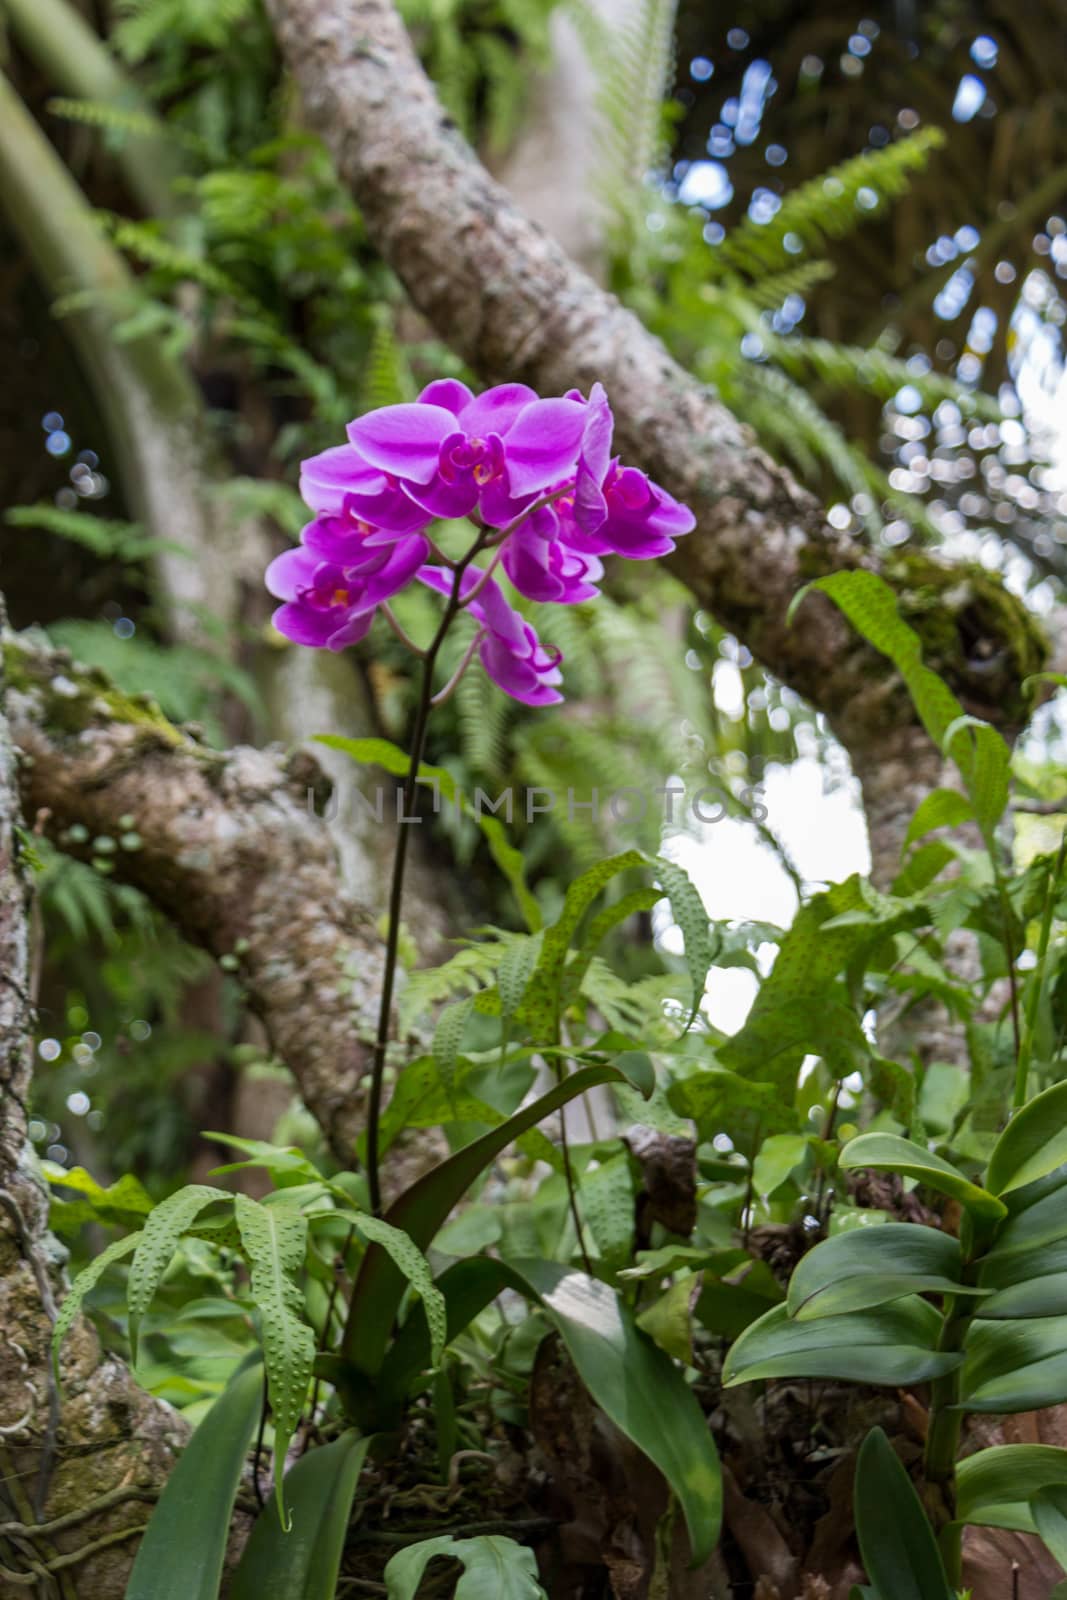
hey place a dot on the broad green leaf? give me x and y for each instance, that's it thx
(124, 1202)
(628, 1376)
(639, 1388)
(1049, 1511)
(494, 1568)
(886, 1152)
(380, 752)
(422, 1210)
(669, 1318)
(275, 1242)
(892, 1344)
(1028, 1283)
(872, 1267)
(1045, 1296)
(994, 1487)
(87, 1279)
(941, 808)
(1015, 1366)
(286, 1164)
(467, 1288)
(407, 1256)
(303, 1564)
(1033, 1144)
(896, 1540)
(163, 1228)
(181, 1554)
(716, 1096)
(687, 909)
(777, 1157)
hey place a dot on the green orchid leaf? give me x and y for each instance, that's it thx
(994, 1487)
(1049, 1511)
(892, 1344)
(896, 1540)
(886, 1152)
(1033, 1144)
(303, 1563)
(181, 1554)
(638, 1386)
(423, 1209)
(1015, 1366)
(873, 1266)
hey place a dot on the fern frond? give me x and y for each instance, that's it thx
(247, 498)
(770, 291)
(471, 969)
(842, 366)
(640, 1008)
(143, 25)
(106, 537)
(829, 207)
(145, 242)
(639, 59)
(790, 423)
(387, 377)
(121, 121)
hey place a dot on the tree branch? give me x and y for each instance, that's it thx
(510, 302)
(228, 849)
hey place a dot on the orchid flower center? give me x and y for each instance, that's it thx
(474, 457)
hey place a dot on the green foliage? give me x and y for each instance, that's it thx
(493, 1566)
(173, 1562)
(830, 206)
(302, 1563)
(275, 1241)
(896, 1541)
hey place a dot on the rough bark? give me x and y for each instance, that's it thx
(510, 302)
(228, 850)
(109, 1442)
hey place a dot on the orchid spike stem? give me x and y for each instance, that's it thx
(396, 891)
(468, 656)
(405, 638)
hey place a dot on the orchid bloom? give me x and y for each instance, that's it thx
(331, 594)
(508, 646)
(536, 476)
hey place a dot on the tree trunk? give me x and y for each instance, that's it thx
(86, 1470)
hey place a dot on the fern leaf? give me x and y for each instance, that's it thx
(87, 1279)
(274, 1238)
(829, 207)
(407, 1256)
(156, 1244)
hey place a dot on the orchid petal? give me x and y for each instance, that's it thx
(495, 410)
(325, 479)
(447, 392)
(404, 440)
(542, 444)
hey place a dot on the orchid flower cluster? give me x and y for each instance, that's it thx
(537, 479)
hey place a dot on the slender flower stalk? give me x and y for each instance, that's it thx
(452, 685)
(537, 478)
(396, 890)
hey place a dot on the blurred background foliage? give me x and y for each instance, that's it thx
(852, 227)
